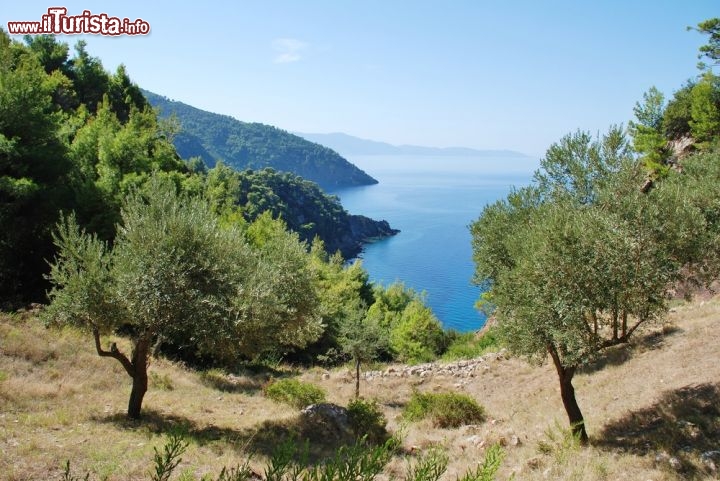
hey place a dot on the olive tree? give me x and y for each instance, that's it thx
(579, 261)
(172, 272)
(278, 308)
(361, 338)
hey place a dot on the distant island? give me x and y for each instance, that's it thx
(250, 145)
(348, 145)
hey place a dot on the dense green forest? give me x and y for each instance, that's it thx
(77, 138)
(246, 145)
(301, 204)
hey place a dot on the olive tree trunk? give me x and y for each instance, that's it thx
(567, 393)
(357, 378)
(135, 368)
(140, 378)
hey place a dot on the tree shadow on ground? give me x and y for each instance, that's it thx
(619, 355)
(313, 442)
(684, 424)
(233, 384)
(244, 379)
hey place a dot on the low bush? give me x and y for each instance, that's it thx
(560, 443)
(445, 410)
(468, 345)
(296, 393)
(430, 466)
(161, 381)
(367, 420)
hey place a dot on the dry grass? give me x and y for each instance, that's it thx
(643, 408)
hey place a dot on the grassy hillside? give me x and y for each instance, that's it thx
(651, 413)
(249, 145)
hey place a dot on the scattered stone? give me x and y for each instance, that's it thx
(710, 460)
(475, 440)
(515, 441)
(328, 420)
(464, 369)
(663, 457)
(472, 428)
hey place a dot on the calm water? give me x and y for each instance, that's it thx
(432, 200)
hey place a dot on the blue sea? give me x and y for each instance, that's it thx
(432, 200)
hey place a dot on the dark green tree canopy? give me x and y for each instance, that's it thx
(34, 170)
(301, 204)
(711, 50)
(249, 145)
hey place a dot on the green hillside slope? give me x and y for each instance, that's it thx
(245, 145)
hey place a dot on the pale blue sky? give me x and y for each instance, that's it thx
(484, 74)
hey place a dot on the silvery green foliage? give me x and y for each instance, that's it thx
(174, 272)
(581, 258)
(83, 290)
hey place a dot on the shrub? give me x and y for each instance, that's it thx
(446, 410)
(468, 346)
(296, 393)
(430, 466)
(418, 336)
(366, 419)
(489, 467)
(560, 443)
(161, 381)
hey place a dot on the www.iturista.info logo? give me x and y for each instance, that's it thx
(58, 22)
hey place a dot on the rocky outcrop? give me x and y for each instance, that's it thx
(368, 230)
(360, 231)
(682, 147)
(327, 421)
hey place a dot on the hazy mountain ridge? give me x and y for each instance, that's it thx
(350, 145)
(250, 145)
